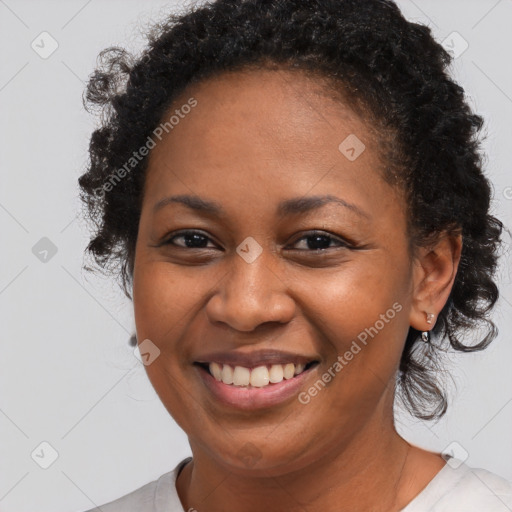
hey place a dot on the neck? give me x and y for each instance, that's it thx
(365, 474)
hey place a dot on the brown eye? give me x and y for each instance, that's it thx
(189, 240)
(318, 241)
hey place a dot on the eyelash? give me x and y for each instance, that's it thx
(309, 234)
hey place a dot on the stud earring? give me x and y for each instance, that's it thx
(425, 335)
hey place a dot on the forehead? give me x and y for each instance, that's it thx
(260, 113)
(288, 103)
(261, 129)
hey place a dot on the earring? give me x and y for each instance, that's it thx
(425, 335)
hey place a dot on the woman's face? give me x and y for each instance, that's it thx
(298, 255)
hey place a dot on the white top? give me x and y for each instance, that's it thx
(456, 488)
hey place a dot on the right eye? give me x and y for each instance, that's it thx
(191, 240)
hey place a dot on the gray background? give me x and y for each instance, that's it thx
(67, 374)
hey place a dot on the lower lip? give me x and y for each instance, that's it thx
(249, 398)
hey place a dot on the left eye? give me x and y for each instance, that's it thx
(320, 241)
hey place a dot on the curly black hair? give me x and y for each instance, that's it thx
(394, 73)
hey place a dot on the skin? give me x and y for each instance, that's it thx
(254, 139)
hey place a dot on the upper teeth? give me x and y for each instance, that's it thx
(257, 377)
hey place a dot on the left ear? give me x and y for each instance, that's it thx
(435, 268)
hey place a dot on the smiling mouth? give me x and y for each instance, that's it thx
(257, 377)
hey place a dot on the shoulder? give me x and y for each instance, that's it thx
(461, 488)
(159, 495)
(488, 491)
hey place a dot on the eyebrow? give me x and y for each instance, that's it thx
(285, 208)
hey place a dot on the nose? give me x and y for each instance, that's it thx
(250, 294)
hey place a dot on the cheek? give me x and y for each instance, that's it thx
(162, 297)
(354, 298)
(362, 313)
(150, 300)
(161, 301)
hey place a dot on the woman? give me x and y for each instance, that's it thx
(293, 194)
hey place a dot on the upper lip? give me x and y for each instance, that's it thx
(255, 358)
